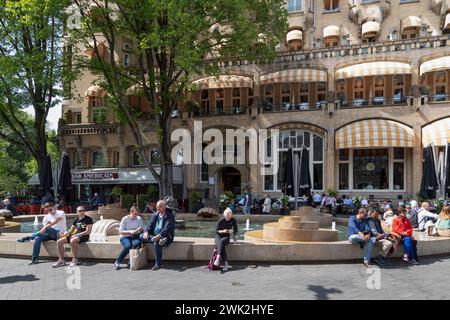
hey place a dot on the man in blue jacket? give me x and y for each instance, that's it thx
(359, 232)
(160, 230)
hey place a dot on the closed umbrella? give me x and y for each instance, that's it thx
(304, 174)
(429, 183)
(65, 180)
(447, 172)
(47, 181)
(288, 174)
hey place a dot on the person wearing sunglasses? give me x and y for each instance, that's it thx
(54, 224)
(79, 232)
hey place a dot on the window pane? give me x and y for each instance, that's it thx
(399, 153)
(155, 157)
(98, 159)
(318, 176)
(370, 169)
(343, 176)
(399, 183)
(343, 155)
(268, 182)
(307, 140)
(318, 148)
(282, 164)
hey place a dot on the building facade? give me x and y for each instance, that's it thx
(363, 84)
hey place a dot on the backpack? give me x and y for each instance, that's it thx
(414, 218)
(211, 265)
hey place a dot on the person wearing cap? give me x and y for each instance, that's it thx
(160, 231)
(78, 233)
(248, 200)
(54, 224)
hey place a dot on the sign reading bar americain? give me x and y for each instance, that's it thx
(95, 176)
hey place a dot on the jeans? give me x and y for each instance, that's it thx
(246, 210)
(220, 245)
(368, 245)
(127, 244)
(408, 246)
(50, 234)
(158, 249)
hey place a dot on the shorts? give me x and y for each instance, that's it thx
(83, 238)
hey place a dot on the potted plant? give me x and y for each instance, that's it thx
(194, 201)
(285, 210)
(226, 200)
(117, 193)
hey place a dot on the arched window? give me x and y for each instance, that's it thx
(378, 90)
(399, 96)
(97, 104)
(440, 86)
(358, 92)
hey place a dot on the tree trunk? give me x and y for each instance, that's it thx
(166, 159)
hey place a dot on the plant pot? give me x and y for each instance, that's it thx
(285, 211)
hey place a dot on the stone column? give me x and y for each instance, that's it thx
(417, 156)
(329, 163)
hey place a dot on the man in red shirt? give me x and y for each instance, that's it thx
(402, 229)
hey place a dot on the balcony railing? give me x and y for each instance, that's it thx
(374, 102)
(88, 129)
(220, 111)
(285, 107)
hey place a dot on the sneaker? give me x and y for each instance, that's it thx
(405, 258)
(366, 264)
(162, 241)
(23, 239)
(217, 261)
(226, 266)
(34, 260)
(414, 261)
(74, 264)
(156, 267)
(116, 266)
(58, 264)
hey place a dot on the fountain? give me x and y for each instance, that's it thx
(103, 228)
(247, 225)
(302, 225)
(36, 223)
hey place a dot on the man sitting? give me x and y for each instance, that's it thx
(160, 230)
(54, 224)
(78, 233)
(359, 233)
(425, 218)
(378, 232)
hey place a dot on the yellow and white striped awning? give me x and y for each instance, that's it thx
(295, 75)
(435, 65)
(370, 28)
(95, 91)
(223, 81)
(437, 133)
(447, 21)
(410, 22)
(294, 35)
(374, 133)
(331, 31)
(373, 69)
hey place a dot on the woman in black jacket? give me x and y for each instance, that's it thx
(226, 227)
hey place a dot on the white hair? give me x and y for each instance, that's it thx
(413, 204)
(226, 211)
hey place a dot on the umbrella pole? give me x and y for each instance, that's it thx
(296, 172)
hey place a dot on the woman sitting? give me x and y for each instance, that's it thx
(443, 223)
(403, 231)
(224, 230)
(130, 228)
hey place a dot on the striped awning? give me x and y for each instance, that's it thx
(295, 75)
(294, 35)
(374, 133)
(437, 133)
(370, 28)
(373, 69)
(435, 65)
(410, 22)
(331, 31)
(223, 81)
(95, 91)
(447, 21)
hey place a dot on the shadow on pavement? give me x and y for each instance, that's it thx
(322, 292)
(14, 279)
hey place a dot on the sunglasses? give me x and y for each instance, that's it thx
(80, 210)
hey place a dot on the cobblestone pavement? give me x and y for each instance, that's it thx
(194, 281)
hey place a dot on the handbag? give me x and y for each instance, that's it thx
(138, 258)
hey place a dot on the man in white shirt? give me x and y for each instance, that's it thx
(423, 216)
(364, 202)
(54, 224)
(267, 205)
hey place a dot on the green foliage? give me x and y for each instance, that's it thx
(142, 201)
(285, 201)
(117, 191)
(439, 204)
(226, 199)
(356, 202)
(153, 192)
(194, 200)
(332, 192)
(128, 201)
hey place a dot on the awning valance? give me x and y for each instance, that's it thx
(294, 35)
(374, 133)
(447, 21)
(95, 91)
(435, 65)
(370, 28)
(224, 81)
(331, 31)
(437, 133)
(295, 75)
(373, 69)
(410, 22)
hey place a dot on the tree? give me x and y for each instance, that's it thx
(31, 71)
(173, 40)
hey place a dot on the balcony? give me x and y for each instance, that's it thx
(219, 112)
(87, 129)
(374, 102)
(287, 107)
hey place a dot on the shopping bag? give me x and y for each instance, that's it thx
(138, 258)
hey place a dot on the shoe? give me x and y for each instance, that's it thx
(34, 260)
(367, 264)
(405, 258)
(58, 264)
(74, 264)
(414, 261)
(23, 239)
(116, 266)
(162, 241)
(226, 266)
(217, 261)
(156, 267)
(128, 265)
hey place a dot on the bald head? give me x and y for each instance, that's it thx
(161, 206)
